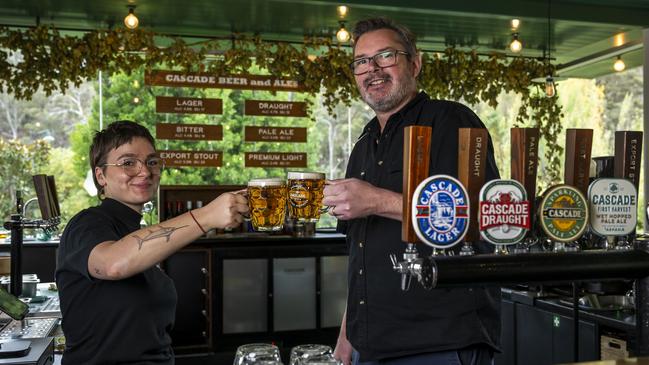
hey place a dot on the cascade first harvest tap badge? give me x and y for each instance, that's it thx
(613, 207)
(563, 213)
(440, 211)
(504, 213)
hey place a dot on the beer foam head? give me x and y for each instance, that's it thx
(266, 182)
(295, 175)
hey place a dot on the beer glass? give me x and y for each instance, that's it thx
(256, 352)
(305, 193)
(267, 203)
(301, 353)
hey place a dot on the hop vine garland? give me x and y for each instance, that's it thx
(53, 62)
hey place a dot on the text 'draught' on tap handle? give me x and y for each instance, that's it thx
(579, 143)
(472, 157)
(416, 161)
(524, 167)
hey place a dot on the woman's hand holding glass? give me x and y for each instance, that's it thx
(226, 211)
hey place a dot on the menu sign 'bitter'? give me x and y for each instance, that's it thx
(200, 132)
(275, 134)
(613, 207)
(275, 108)
(205, 80)
(191, 158)
(275, 159)
(169, 104)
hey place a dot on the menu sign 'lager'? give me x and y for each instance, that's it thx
(504, 213)
(563, 213)
(613, 207)
(267, 203)
(305, 193)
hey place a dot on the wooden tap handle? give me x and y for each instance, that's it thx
(628, 155)
(579, 143)
(525, 159)
(472, 157)
(416, 162)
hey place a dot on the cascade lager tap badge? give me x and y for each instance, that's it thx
(613, 207)
(564, 213)
(440, 211)
(504, 213)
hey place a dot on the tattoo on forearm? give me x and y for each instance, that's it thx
(153, 234)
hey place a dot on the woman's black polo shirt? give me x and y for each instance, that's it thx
(382, 320)
(111, 322)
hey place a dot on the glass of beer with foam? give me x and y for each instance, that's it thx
(305, 193)
(267, 203)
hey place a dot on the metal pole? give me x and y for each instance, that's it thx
(645, 139)
(16, 286)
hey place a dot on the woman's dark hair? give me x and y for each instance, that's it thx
(116, 134)
(406, 37)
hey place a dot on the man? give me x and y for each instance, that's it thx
(383, 324)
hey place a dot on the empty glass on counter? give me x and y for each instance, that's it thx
(257, 353)
(321, 360)
(267, 203)
(302, 353)
(305, 193)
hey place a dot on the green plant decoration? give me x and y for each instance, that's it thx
(51, 61)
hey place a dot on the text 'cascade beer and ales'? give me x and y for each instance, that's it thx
(504, 213)
(440, 211)
(267, 204)
(305, 193)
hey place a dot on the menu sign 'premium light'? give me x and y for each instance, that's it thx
(170, 104)
(205, 80)
(200, 132)
(275, 108)
(191, 158)
(275, 159)
(275, 134)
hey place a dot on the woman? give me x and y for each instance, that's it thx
(118, 307)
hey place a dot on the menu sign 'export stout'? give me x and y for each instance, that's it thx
(201, 132)
(275, 108)
(205, 80)
(275, 134)
(170, 104)
(275, 159)
(191, 158)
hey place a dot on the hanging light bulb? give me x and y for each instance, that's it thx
(550, 89)
(131, 21)
(342, 11)
(619, 65)
(515, 24)
(343, 35)
(516, 45)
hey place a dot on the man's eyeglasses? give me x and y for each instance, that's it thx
(133, 166)
(382, 59)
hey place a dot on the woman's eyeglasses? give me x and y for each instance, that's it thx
(133, 166)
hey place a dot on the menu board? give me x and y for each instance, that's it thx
(173, 158)
(275, 108)
(206, 80)
(200, 132)
(275, 159)
(275, 134)
(170, 104)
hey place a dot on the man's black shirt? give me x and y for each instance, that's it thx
(382, 320)
(111, 322)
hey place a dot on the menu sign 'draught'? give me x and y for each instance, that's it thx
(504, 214)
(170, 104)
(613, 207)
(563, 213)
(191, 158)
(275, 108)
(200, 132)
(275, 134)
(275, 159)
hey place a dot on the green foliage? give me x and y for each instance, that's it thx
(18, 162)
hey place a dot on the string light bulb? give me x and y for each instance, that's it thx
(619, 64)
(343, 35)
(516, 45)
(342, 11)
(550, 89)
(131, 21)
(515, 24)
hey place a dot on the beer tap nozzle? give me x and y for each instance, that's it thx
(413, 265)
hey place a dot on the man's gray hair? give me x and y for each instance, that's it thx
(406, 37)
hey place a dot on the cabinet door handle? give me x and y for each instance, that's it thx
(204, 334)
(204, 291)
(204, 270)
(204, 312)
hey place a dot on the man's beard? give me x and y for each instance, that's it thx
(394, 98)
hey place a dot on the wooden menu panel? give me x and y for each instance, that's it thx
(628, 153)
(199, 132)
(275, 159)
(416, 160)
(173, 158)
(170, 104)
(472, 157)
(205, 80)
(275, 134)
(275, 108)
(525, 159)
(579, 143)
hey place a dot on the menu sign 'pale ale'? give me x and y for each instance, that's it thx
(191, 158)
(200, 132)
(275, 159)
(206, 80)
(275, 134)
(169, 104)
(275, 108)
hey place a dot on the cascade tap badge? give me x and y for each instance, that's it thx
(613, 207)
(440, 211)
(564, 213)
(504, 213)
